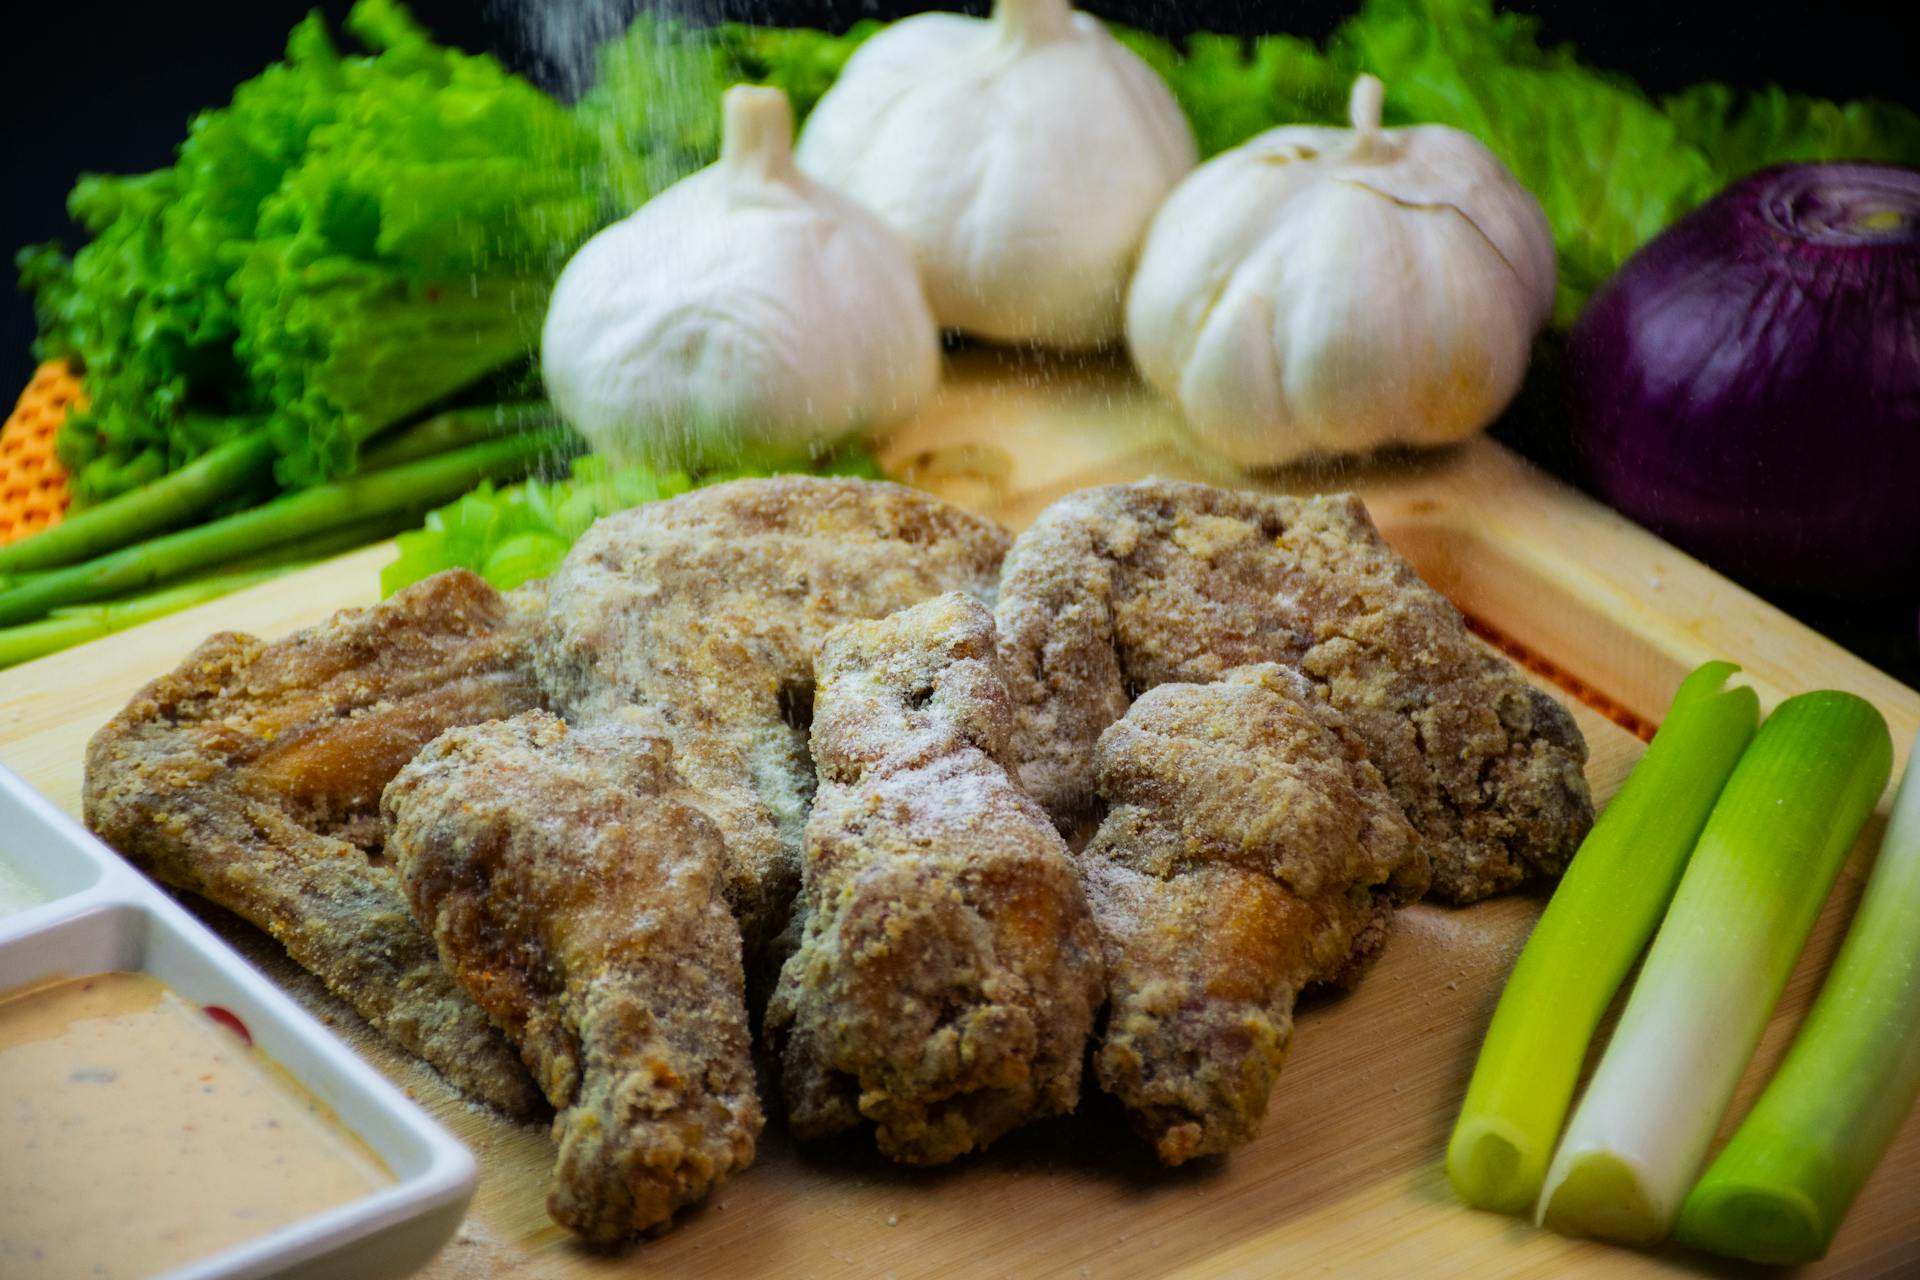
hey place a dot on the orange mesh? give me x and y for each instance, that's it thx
(33, 484)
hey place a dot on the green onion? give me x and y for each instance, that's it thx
(1593, 930)
(1764, 864)
(1778, 1191)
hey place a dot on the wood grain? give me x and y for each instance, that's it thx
(1346, 1177)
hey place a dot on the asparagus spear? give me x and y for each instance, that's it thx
(239, 466)
(455, 429)
(409, 487)
(71, 627)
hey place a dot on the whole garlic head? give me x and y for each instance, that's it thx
(1330, 291)
(744, 304)
(1021, 157)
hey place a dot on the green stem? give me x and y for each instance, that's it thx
(1779, 1190)
(236, 467)
(78, 626)
(1762, 868)
(455, 429)
(1598, 922)
(410, 487)
(331, 542)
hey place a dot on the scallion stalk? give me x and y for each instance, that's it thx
(1778, 1191)
(1763, 866)
(1595, 927)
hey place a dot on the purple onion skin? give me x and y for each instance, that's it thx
(1748, 384)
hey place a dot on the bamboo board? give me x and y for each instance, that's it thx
(1346, 1178)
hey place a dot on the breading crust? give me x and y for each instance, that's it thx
(1115, 590)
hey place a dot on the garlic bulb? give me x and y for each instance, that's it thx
(744, 304)
(1021, 157)
(1330, 291)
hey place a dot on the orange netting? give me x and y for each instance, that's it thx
(33, 484)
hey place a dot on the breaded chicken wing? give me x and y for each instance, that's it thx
(1249, 850)
(949, 971)
(1115, 590)
(707, 609)
(573, 887)
(251, 775)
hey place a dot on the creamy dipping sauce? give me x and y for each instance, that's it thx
(15, 893)
(137, 1134)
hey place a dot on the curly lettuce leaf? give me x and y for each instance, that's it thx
(656, 104)
(1232, 89)
(1743, 132)
(1607, 165)
(351, 239)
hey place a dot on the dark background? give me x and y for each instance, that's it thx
(110, 87)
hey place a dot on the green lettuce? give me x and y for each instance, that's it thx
(352, 239)
(679, 72)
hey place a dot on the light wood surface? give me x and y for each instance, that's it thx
(1346, 1178)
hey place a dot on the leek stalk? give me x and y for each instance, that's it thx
(1770, 851)
(1779, 1189)
(1595, 927)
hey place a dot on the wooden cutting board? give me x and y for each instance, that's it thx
(1346, 1179)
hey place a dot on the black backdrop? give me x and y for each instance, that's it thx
(109, 87)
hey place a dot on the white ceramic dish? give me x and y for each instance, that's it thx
(102, 915)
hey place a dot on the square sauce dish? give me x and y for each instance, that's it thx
(166, 1110)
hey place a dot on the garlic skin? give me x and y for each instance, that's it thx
(745, 304)
(1021, 157)
(1324, 291)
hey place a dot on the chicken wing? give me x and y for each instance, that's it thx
(1249, 850)
(1115, 590)
(707, 610)
(573, 887)
(252, 774)
(949, 971)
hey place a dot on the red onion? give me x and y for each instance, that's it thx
(1748, 385)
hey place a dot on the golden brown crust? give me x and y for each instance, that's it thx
(949, 971)
(572, 886)
(1116, 590)
(1249, 850)
(251, 775)
(707, 609)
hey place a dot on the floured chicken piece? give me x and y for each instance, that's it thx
(707, 610)
(1249, 850)
(1115, 590)
(573, 887)
(949, 971)
(252, 774)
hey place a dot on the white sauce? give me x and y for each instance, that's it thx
(137, 1134)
